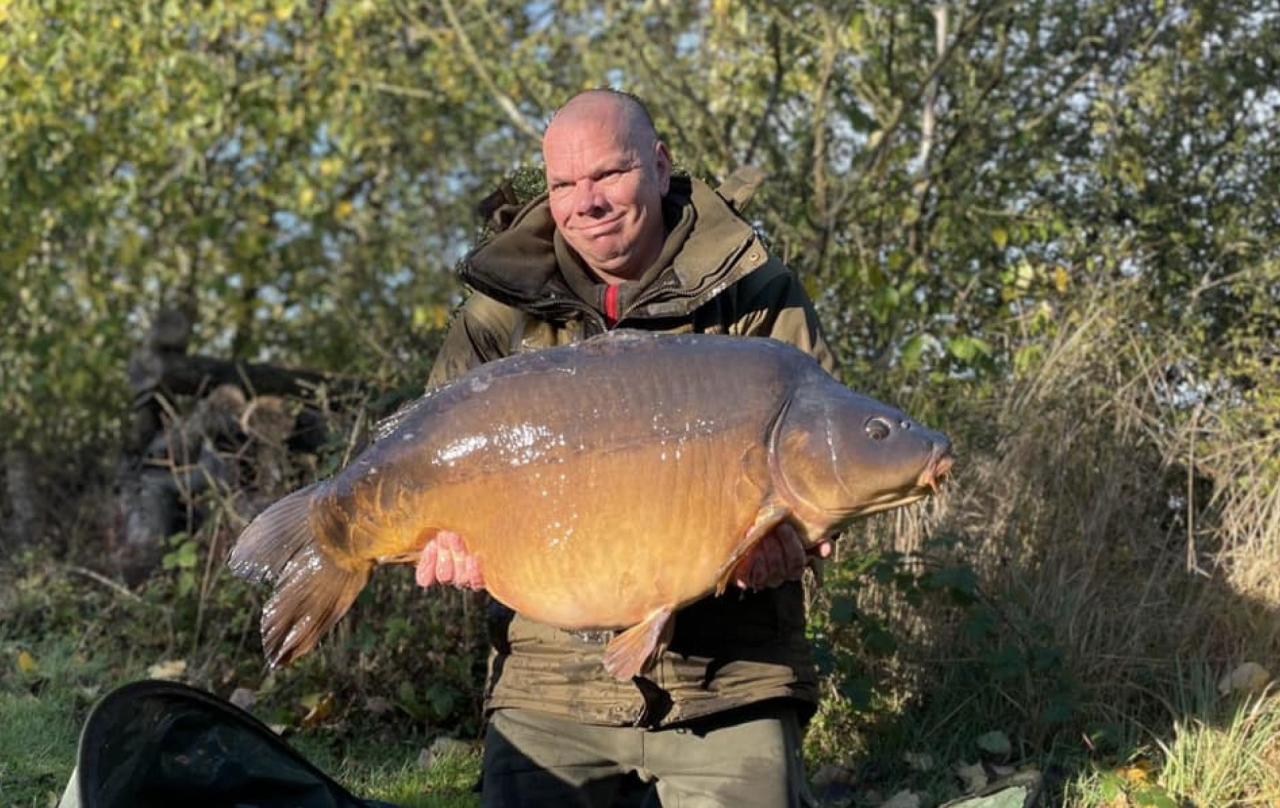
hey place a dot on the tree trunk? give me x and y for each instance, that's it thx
(22, 489)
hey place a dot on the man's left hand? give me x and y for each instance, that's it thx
(778, 557)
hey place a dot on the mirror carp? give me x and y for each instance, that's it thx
(602, 485)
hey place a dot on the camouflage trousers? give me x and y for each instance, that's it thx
(746, 757)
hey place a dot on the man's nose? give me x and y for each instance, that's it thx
(589, 199)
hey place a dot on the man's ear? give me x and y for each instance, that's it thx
(662, 164)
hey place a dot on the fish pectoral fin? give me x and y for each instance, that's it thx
(769, 517)
(635, 650)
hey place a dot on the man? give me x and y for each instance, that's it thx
(619, 241)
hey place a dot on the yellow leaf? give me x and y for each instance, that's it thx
(330, 166)
(305, 197)
(27, 663)
(344, 209)
(4, 59)
(1135, 774)
(284, 11)
(319, 707)
(116, 23)
(170, 669)
(1061, 279)
(720, 8)
(1000, 236)
(432, 316)
(428, 137)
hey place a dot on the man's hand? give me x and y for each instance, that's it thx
(778, 557)
(445, 560)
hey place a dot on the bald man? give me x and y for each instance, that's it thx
(617, 240)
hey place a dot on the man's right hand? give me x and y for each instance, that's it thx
(445, 560)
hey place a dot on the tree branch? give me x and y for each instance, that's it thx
(779, 70)
(503, 100)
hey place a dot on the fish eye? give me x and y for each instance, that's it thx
(878, 428)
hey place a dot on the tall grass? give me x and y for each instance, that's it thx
(1122, 521)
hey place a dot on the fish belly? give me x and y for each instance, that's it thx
(603, 539)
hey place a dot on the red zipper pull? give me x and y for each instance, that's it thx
(611, 305)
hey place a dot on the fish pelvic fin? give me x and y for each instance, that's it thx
(635, 650)
(313, 589)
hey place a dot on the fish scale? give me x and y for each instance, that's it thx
(600, 486)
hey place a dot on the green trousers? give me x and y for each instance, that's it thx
(747, 757)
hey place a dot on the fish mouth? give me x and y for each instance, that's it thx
(936, 469)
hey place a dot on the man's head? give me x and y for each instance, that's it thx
(607, 172)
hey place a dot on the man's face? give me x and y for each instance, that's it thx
(606, 181)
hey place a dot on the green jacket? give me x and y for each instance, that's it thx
(714, 276)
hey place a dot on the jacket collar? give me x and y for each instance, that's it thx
(519, 266)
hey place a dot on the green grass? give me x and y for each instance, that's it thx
(65, 644)
(41, 712)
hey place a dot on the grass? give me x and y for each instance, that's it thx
(51, 674)
(41, 713)
(1103, 557)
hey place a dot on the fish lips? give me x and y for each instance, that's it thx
(936, 469)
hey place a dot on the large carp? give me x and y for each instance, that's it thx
(602, 485)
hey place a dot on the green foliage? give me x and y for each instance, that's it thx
(1051, 234)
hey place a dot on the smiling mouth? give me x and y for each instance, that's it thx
(600, 228)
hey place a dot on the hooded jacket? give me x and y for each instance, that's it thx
(713, 276)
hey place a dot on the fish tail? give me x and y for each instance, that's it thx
(312, 587)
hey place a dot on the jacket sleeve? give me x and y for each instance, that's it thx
(771, 302)
(481, 332)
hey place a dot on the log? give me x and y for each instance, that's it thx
(167, 462)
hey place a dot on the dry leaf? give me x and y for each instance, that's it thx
(244, 698)
(170, 669)
(919, 761)
(973, 776)
(1250, 677)
(319, 707)
(903, 799)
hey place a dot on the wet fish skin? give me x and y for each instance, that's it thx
(602, 485)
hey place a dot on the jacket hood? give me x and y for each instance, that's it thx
(519, 266)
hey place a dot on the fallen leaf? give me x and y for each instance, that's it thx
(919, 761)
(1250, 677)
(319, 707)
(170, 669)
(377, 705)
(973, 776)
(244, 698)
(27, 663)
(903, 799)
(1134, 774)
